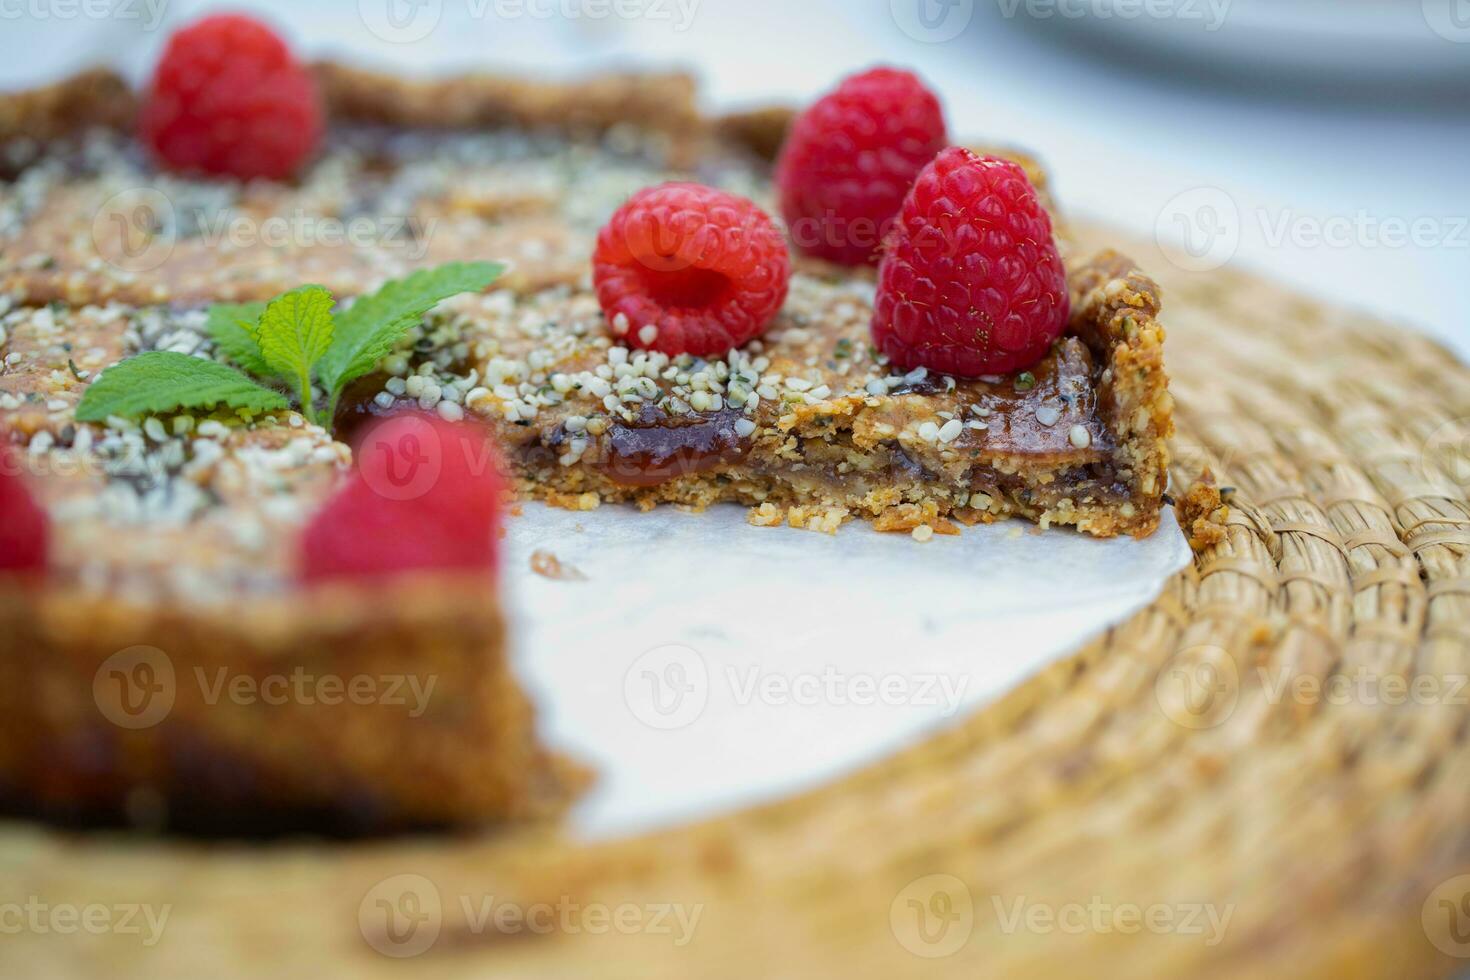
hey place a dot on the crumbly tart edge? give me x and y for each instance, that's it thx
(468, 757)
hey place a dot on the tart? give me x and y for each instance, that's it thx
(176, 533)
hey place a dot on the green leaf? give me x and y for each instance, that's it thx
(367, 331)
(232, 325)
(166, 381)
(294, 332)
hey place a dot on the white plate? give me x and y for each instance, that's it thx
(1319, 40)
(705, 664)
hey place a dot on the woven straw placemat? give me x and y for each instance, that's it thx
(1262, 774)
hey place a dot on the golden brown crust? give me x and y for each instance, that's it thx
(663, 103)
(355, 708)
(1203, 513)
(1115, 310)
(91, 98)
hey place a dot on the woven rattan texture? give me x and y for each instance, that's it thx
(1269, 764)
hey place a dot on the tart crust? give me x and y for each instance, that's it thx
(341, 710)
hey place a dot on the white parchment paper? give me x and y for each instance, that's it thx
(703, 664)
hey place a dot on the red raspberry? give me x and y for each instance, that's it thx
(24, 527)
(971, 282)
(228, 98)
(849, 160)
(687, 269)
(426, 495)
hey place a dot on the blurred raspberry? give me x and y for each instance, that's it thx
(850, 159)
(971, 281)
(426, 495)
(687, 269)
(24, 526)
(228, 98)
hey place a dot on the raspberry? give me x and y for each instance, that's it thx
(426, 495)
(971, 282)
(687, 269)
(24, 528)
(228, 98)
(850, 159)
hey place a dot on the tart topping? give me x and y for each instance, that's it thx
(850, 159)
(426, 495)
(228, 98)
(297, 340)
(971, 282)
(24, 528)
(687, 269)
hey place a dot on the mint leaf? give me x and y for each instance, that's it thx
(232, 326)
(367, 331)
(166, 381)
(294, 332)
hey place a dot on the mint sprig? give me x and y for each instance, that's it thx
(296, 339)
